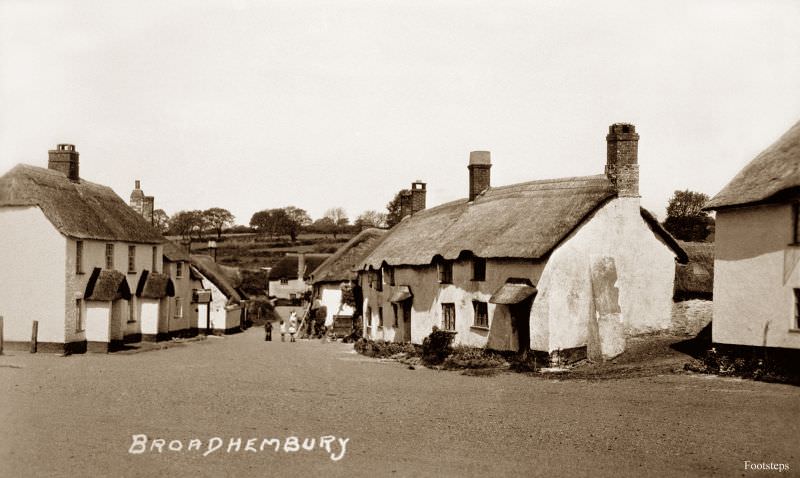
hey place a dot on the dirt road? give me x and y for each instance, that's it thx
(78, 415)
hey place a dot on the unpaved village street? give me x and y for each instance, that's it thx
(76, 416)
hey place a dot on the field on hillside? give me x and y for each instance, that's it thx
(250, 252)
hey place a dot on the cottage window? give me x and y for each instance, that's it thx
(478, 269)
(449, 316)
(79, 257)
(284, 281)
(379, 280)
(394, 313)
(79, 315)
(380, 317)
(131, 259)
(178, 269)
(389, 273)
(481, 314)
(178, 307)
(155, 259)
(797, 308)
(109, 256)
(369, 316)
(446, 272)
(132, 310)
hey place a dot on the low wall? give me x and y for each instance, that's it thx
(689, 317)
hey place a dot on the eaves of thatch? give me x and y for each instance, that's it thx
(524, 221)
(81, 210)
(106, 285)
(775, 170)
(669, 240)
(175, 253)
(226, 279)
(153, 285)
(340, 267)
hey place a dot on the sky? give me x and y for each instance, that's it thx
(251, 105)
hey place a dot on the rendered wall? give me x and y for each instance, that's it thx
(755, 272)
(32, 276)
(330, 295)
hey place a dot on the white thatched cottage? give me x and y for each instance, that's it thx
(566, 267)
(338, 272)
(289, 278)
(220, 301)
(73, 248)
(757, 250)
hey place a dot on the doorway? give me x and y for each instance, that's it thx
(407, 320)
(521, 323)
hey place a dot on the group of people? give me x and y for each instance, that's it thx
(292, 328)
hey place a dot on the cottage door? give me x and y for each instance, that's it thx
(407, 320)
(520, 318)
(202, 317)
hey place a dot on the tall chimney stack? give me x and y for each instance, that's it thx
(65, 160)
(147, 208)
(418, 193)
(301, 265)
(622, 167)
(405, 203)
(480, 165)
(137, 198)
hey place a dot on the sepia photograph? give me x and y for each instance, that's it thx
(356, 238)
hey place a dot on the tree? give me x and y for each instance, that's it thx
(298, 219)
(185, 223)
(393, 211)
(161, 220)
(370, 219)
(686, 219)
(274, 222)
(339, 218)
(218, 219)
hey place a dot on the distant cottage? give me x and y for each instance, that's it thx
(289, 278)
(77, 259)
(566, 267)
(757, 251)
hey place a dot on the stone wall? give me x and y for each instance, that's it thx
(691, 316)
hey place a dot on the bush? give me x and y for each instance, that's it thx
(437, 346)
(473, 358)
(382, 349)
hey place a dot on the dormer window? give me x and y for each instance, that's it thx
(445, 272)
(478, 269)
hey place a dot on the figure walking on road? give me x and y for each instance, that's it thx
(268, 331)
(283, 331)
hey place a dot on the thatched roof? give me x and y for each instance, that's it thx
(341, 265)
(401, 293)
(106, 285)
(524, 220)
(695, 279)
(776, 169)
(286, 268)
(153, 285)
(512, 293)
(669, 240)
(226, 279)
(81, 210)
(175, 252)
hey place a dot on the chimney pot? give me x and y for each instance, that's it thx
(418, 193)
(622, 159)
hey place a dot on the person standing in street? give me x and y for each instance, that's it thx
(283, 331)
(268, 331)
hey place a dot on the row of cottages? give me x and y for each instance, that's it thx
(207, 297)
(77, 260)
(757, 251)
(565, 267)
(337, 276)
(289, 278)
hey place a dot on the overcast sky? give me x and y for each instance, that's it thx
(254, 105)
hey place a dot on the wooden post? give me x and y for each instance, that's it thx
(34, 336)
(1, 335)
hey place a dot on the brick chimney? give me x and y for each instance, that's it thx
(405, 203)
(622, 167)
(480, 164)
(301, 265)
(418, 193)
(137, 198)
(65, 160)
(147, 208)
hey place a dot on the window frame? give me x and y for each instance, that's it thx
(284, 281)
(379, 279)
(796, 321)
(380, 317)
(389, 274)
(155, 259)
(131, 259)
(476, 315)
(109, 256)
(178, 308)
(396, 321)
(79, 257)
(445, 270)
(479, 272)
(179, 270)
(448, 315)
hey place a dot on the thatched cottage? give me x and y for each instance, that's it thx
(566, 267)
(289, 278)
(219, 302)
(338, 272)
(73, 251)
(757, 250)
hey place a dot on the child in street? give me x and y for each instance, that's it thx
(268, 331)
(283, 331)
(292, 331)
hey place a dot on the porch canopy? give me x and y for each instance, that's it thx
(512, 293)
(153, 285)
(402, 293)
(107, 285)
